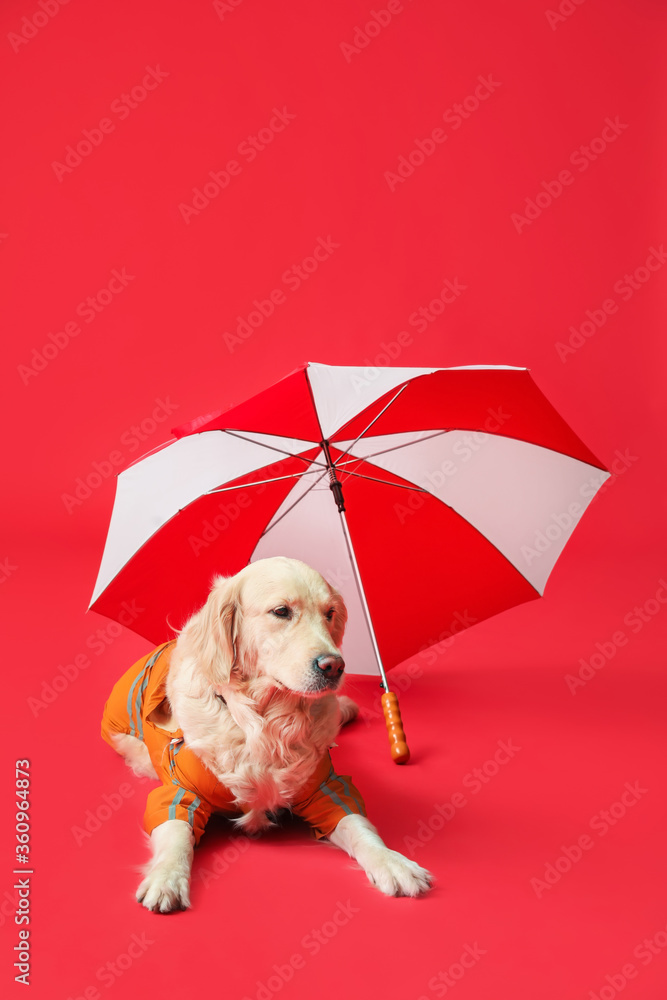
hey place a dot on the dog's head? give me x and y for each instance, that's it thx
(277, 618)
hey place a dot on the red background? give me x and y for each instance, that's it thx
(162, 336)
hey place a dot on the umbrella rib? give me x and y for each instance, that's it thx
(262, 482)
(292, 506)
(376, 417)
(280, 451)
(386, 482)
(406, 444)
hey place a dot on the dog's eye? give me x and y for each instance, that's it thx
(329, 614)
(282, 612)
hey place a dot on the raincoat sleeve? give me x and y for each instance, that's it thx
(119, 715)
(124, 709)
(327, 798)
(172, 801)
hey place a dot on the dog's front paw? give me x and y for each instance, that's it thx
(348, 709)
(165, 889)
(397, 876)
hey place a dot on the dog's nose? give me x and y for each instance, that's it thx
(331, 666)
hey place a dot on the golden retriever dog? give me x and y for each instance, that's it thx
(252, 691)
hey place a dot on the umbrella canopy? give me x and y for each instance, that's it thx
(461, 487)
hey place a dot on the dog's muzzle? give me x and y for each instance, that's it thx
(328, 670)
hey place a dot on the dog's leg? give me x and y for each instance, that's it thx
(136, 755)
(389, 871)
(347, 708)
(167, 883)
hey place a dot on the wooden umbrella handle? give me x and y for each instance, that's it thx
(392, 716)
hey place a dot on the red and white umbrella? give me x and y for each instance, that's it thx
(427, 496)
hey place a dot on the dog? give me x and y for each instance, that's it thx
(237, 715)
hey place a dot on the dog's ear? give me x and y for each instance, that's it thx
(212, 631)
(339, 619)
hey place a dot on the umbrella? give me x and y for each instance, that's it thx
(431, 498)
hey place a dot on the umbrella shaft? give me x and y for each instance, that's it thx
(337, 489)
(335, 484)
(364, 603)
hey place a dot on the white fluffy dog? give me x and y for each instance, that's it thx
(251, 685)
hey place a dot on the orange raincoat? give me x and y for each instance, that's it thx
(189, 790)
